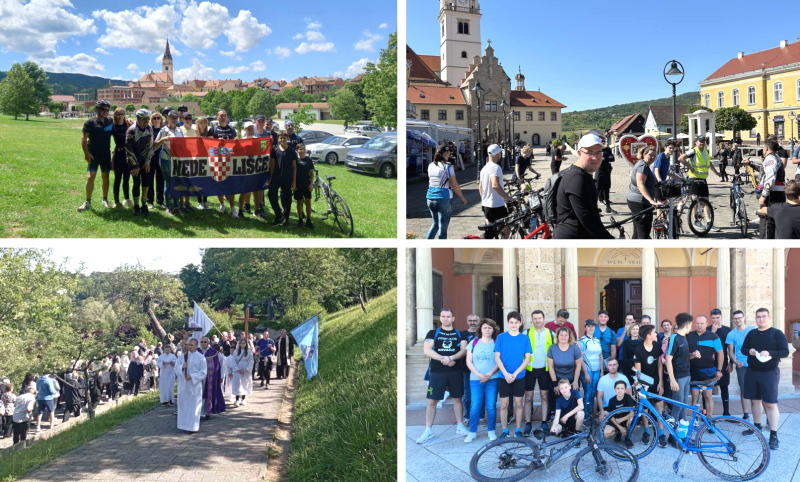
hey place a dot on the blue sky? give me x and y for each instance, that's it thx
(588, 54)
(209, 40)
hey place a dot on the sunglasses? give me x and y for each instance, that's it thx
(188, 117)
(716, 312)
(156, 118)
(103, 110)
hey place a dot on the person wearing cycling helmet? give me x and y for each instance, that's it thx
(698, 161)
(96, 145)
(139, 151)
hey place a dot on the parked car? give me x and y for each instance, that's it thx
(369, 131)
(314, 137)
(378, 156)
(335, 148)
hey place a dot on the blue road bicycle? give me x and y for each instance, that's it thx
(729, 447)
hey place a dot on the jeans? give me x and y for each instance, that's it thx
(680, 396)
(467, 398)
(483, 394)
(166, 170)
(441, 209)
(590, 392)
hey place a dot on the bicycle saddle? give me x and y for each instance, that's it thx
(492, 225)
(330, 178)
(541, 435)
(703, 383)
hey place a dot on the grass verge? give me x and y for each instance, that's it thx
(43, 175)
(345, 422)
(17, 463)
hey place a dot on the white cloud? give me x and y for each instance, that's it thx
(282, 52)
(199, 53)
(196, 71)
(314, 36)
(233, 70)
(79, 63)
(353, 70)
(141, 29)
(243, 32)
(258, 66)
(368, 44)
(101, 51)
(298, 36)
(304, 47)
(228, 53)
(383, 25)
(36, 27)
(132, 67)
(312, 24)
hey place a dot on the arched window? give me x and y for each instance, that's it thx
(735, 97)
(751, 95)
(777, 92)
(460, 27)
(466, 28)
(463, 54)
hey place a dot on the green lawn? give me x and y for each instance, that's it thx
(346, 417)
(42, 174)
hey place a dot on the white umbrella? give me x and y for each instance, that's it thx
(683, 136)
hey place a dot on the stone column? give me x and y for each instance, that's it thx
(649, 283)
(540, 281)
(411, 295)
(424, 267)
(738, 280)
(510, 292)
(571, 284)
(778, 314)
(724, 284)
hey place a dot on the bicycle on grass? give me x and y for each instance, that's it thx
(729, 447)
(514, 458)
(336, 205)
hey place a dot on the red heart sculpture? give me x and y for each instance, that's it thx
(629, 145)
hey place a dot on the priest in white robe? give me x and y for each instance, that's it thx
(227, 381)
(191, 371)
(166, 381)
(241, 368)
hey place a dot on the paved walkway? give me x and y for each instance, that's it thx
(228, 447)
(466, 219)
(446, 457)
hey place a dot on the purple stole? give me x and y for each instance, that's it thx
(212, 389)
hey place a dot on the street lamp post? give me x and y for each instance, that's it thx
(674, 70)
(478, 89)
(791, 129)
(513, 138)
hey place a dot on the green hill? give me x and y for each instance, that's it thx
(346, 417)
(69, 84)
(605, 117)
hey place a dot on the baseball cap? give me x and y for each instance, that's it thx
(289, 122)
(589, 323)
(260, 117)
(173, 113)
(165, 111)
(699, 138)
(589, 140)
(494, 149)
(602, 312)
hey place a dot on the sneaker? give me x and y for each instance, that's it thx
(528, 430)
(176, 210)
(461, 429)
(38, 430)
(492, 435)
(773, 442)
(309, 224)
(259, 214)
(628, 443)
(247, 208)
(482, 422)
(86, 205)
(699, 225)
(726, 414)
(187, 207)
(169, 212)
(241, 214)
(145, 210)
(236, 404)
(470, 437)
(504, 434)
(221, 209)
(243, 403)
(545, 426)
(129, 203)
(426, 435)
(286, 223)
(662, 441)
(715, 229)
(672, 442)
(518, 433)
(136, 210)
(150, 206)
(300, 223)
(610, 211)
(234, 213)
(118, 206)
(746, 416)
(618, 438)
(105, 204)
(278, 222)
(646, 438)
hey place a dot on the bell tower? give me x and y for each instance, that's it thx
(460, 32)
(166, 61)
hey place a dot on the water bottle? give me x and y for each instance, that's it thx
(683, 429)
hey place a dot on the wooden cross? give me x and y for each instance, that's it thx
(247, 321)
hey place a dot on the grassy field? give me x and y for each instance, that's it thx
(43, 174)
(346, 417)
(19, 462)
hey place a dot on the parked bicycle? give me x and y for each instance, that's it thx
(515, 458)
(695, 206)
(336, 205)
(737, 202)
(729, 447)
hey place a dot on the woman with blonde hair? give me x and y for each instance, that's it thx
(643, 193)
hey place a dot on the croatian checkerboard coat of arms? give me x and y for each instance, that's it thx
(220, 163)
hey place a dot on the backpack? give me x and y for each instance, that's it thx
(549, 197)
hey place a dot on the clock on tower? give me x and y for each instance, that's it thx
(461, 37)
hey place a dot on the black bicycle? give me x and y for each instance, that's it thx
(737, 201)
(336, 205)
(514, 458)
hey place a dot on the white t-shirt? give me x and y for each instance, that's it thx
(606, 385)
(490, 198)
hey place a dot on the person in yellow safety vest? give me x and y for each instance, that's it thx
(698, 161)
(541, 339)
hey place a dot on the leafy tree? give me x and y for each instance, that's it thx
(302, 117)
(190, 98)
(17, 93)
(308, 98)
(263, 102)
(130, 108)
(113, 108)
(344, 106)
(369, 272)
(380, 85)
(240, 109)
(78, 108)
(292, 94)
(144, 106)
(55, 107)
(158, 107)
(41, 83)
(734, 119)
(208, 104)
(357, 88)
(684, 123)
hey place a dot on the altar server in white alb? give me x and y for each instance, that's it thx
(166, 381)
(191, 371)
(240, 364)
(227, 379)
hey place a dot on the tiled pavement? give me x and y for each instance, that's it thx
(229, 447)
(466, 219)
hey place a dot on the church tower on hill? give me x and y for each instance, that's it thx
(166, 61)
(460, 31)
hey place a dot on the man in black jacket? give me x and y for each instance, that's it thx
(577, 216)
(603, 179)
(285, 351)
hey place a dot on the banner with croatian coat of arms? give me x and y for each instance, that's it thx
(215, 167)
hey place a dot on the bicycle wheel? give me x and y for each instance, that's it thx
(750, 454)
(741, 216)
(341, 214)
(642, 445)
(594, 463)
(518, 230)
(697, 217)
(506, 460)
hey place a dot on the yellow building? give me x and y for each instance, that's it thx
(766, 84)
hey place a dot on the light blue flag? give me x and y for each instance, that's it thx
(306, 336)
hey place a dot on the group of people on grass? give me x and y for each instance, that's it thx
(142, 153)
(479, 365)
